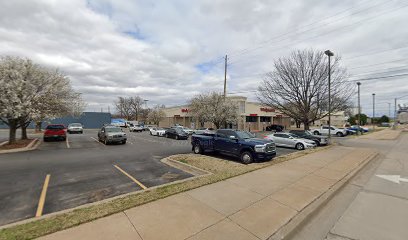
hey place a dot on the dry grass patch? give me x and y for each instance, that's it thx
(18, 144)
(221, 169)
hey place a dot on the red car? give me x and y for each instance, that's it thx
(55, 131)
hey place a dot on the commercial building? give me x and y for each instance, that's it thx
(338, 119)
(252, 116)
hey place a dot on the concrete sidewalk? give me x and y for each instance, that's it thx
(250, 206)
(386, 134)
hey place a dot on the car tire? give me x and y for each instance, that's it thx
(317, 143)
(124, 142)
(105, 141)
(166, 135)
(45, 140)
(177, 137)
(197, 149)
(316, 133)
(246, 157)
(300, 146)
(151, 133)
(339, 134)
(81, 132)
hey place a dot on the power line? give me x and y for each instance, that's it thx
(246, 50)
(341, 28)
(376, 64)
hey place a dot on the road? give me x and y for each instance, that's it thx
(369, 207)
(82, 170)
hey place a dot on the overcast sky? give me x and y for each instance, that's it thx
(167, 51)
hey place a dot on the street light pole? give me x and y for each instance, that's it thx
(329, 54)
(373, 111)
(359, 108)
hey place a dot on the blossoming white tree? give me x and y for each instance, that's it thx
(31, 92)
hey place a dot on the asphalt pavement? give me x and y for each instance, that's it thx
(82, 170)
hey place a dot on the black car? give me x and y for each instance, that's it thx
(275, 127)
(176, 133)
(318, 139)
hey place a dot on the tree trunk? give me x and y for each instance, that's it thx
(306, 125)
(24, 126)
(217, 125)
(38, 126)
(12, 131)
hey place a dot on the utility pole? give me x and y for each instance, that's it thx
(373, 111)
(225, 77)
(329, 54)
(108, 109)
(359, 108)
(389, 110)
(395, 113)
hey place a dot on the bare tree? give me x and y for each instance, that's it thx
(298, 86)
(124, 108)
(156, 115)
(214, 108)
(136, 105)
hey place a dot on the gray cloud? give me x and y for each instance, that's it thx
(152, 48)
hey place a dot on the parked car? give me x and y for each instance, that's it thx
(204, 131)
(119, 122)
(319, 140)
(324, 130)
(385, 124)
(185, 129)
(176, 133)
(235, 143)
(148, 127)
(290, 140)
(135, 128)
(55, 132)
(157, 131)
(357, 128)
(275, 127)
(349, 131)
(111, 134)
(75, 128)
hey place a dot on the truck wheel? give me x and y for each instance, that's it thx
(300, 146)
(316, 133)
(246, 157)
(197, 149)
(339, 134)
(317, 143)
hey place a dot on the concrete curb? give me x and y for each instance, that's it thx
(185, 167)
(31, 146)
(302, 217)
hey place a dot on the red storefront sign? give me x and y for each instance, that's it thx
(184, 110)
(253, 115)
(263, 109)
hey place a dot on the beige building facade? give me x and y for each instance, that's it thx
(338, 119)
(253, 116)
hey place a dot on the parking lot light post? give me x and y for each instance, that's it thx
(373, 111)
(359, 108)
(329, 54)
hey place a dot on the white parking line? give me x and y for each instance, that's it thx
(96, 140)
(66, 140)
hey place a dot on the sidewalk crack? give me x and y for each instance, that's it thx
(134, 227)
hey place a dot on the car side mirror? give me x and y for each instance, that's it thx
(233, 138)
(102, 131)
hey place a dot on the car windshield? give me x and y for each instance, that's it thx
(159, 128)
(308, 133)
(75, 125)
(179, 130)
(55, 127)
(244, 134)
(111, 129)
(293, 135)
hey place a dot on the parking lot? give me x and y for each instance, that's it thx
(82, 170)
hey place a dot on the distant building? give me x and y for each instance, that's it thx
(253, 116)
(337, 119)
(87, 119)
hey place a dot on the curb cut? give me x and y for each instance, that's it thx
(290, 228)
(31, 146)
(195, 171)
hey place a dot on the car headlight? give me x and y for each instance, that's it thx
(260, 148)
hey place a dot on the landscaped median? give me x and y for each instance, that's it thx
(19, 145)
(215, 169)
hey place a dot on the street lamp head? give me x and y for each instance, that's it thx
(373, 94)
(329, 53)
(358, 83)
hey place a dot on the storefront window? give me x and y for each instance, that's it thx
(265, 119)
(251, 119)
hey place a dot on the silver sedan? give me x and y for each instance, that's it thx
(290, 140)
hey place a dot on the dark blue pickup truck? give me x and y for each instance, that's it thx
(234, 142)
